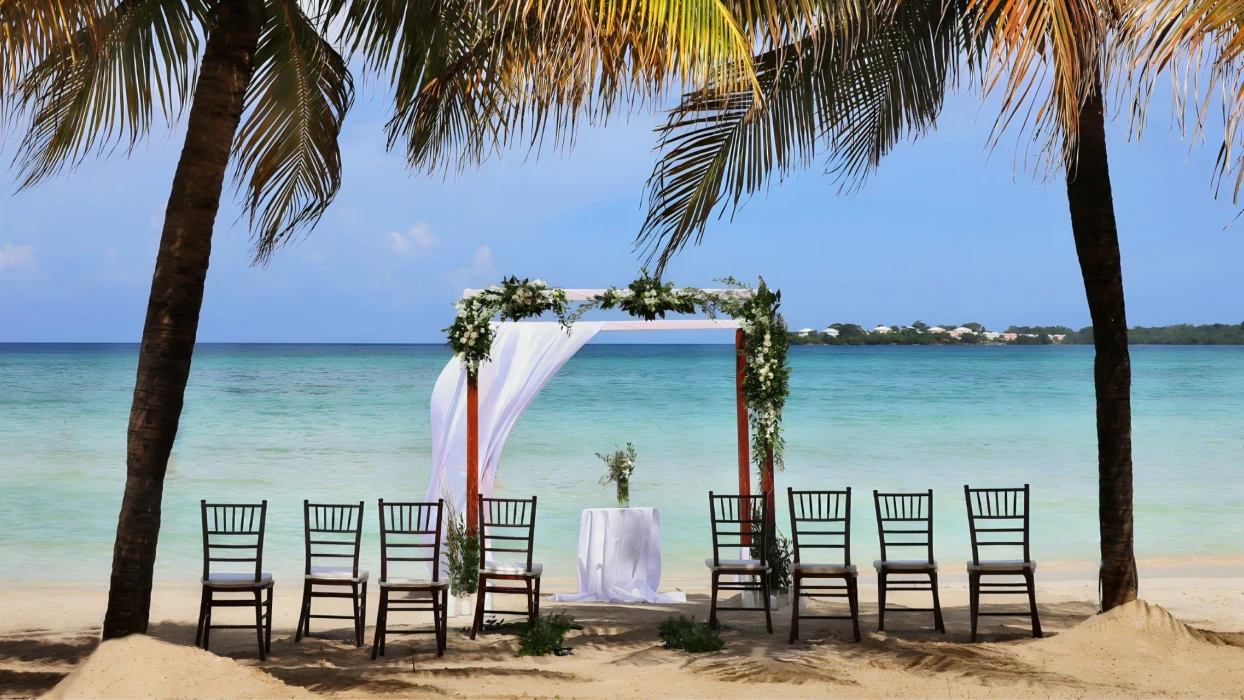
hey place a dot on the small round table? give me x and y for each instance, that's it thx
(620, 558)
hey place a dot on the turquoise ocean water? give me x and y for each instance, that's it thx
(344, 423)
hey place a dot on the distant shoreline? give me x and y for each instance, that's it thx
(920, 333)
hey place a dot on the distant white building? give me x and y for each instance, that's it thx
(937, 329)
(1010, 336)
(991, 335)
(962, 331)
(880, 329)
(805, 332)
(831, 332)
(1058, 338)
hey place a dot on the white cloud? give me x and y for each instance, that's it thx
(481, 269)
(417, 242)
(18, 256)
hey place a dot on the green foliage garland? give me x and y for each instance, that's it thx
(766, 376)
(471, 334)
(648, 298)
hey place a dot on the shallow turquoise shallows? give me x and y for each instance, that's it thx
(350, 423)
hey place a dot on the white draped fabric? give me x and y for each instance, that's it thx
(525, 356)
(620, 558)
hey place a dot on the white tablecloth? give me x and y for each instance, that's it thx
(620, 558)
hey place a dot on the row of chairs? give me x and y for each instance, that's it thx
(410, 565)
(820, 524)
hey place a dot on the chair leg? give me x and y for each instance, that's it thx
(537, 596)
(207, 621)
(303, 611)
(267, 642)
(378, 643)
(1032, 603)
(974, 585)
(881, 584)
(363, 617)
(198, 633)
(354, 600)
(938, 623)
(479, 607)
(531, 606)
(853, 599)
(712, 607)
(444, 622)
(794, 608)
(259, 623)
(764, 591)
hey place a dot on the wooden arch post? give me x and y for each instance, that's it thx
(472, 466)
(740, 409)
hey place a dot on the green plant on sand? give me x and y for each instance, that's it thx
(686, 633)
(547, 634)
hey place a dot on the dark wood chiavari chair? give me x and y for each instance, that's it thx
(738, 522)
(233, 536)
(905, 522)
(333, 532)
(507, 527)
(820, 521)
(1001, 515)
(410, 569)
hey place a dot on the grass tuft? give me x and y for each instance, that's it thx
(686, 633)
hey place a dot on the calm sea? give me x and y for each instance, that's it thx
(344, 423)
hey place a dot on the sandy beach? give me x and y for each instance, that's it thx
(1186, 641)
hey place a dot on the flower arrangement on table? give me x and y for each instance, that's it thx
(621, 465)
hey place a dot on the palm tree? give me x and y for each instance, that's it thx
(269, 98)
(270, 95)
(855, 86)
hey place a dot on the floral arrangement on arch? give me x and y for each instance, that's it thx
(471, 334)
(766, 378)
(648, 298)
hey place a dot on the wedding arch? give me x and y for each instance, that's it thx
(513, 361)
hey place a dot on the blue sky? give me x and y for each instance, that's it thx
(941, 233)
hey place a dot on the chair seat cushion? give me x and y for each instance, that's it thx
(228, 580)
(336, 573)
(736, 565)
(830, 569)
(399, 582)
(1001, 565)
(905, 565)
(511, 568)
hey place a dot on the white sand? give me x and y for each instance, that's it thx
(142, 667)
(1138, 650)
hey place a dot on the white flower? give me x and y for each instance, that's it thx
(471, 341)
(539, 284)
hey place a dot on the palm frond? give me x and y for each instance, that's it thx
(488, 76)
(288, 160)
(103, 88)
(31, 29)
(1200, 42)
(853, 95)
(1047, 57)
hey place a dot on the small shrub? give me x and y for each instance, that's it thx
(547, 634)
(686, 633)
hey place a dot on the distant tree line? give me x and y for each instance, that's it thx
(1181, 334)
(918, 334)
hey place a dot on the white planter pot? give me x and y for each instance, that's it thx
(461, 606)
(803, 602)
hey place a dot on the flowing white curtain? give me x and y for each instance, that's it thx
(525, 356)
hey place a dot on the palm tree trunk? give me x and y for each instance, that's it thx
(1097, 244)
(173, 309)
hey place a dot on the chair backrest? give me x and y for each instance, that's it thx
(507, 525)
(821, 520)
(333, 531)
(233, 533)
(905, 522)
(998, 518)
(410, 534)
(738, 521)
